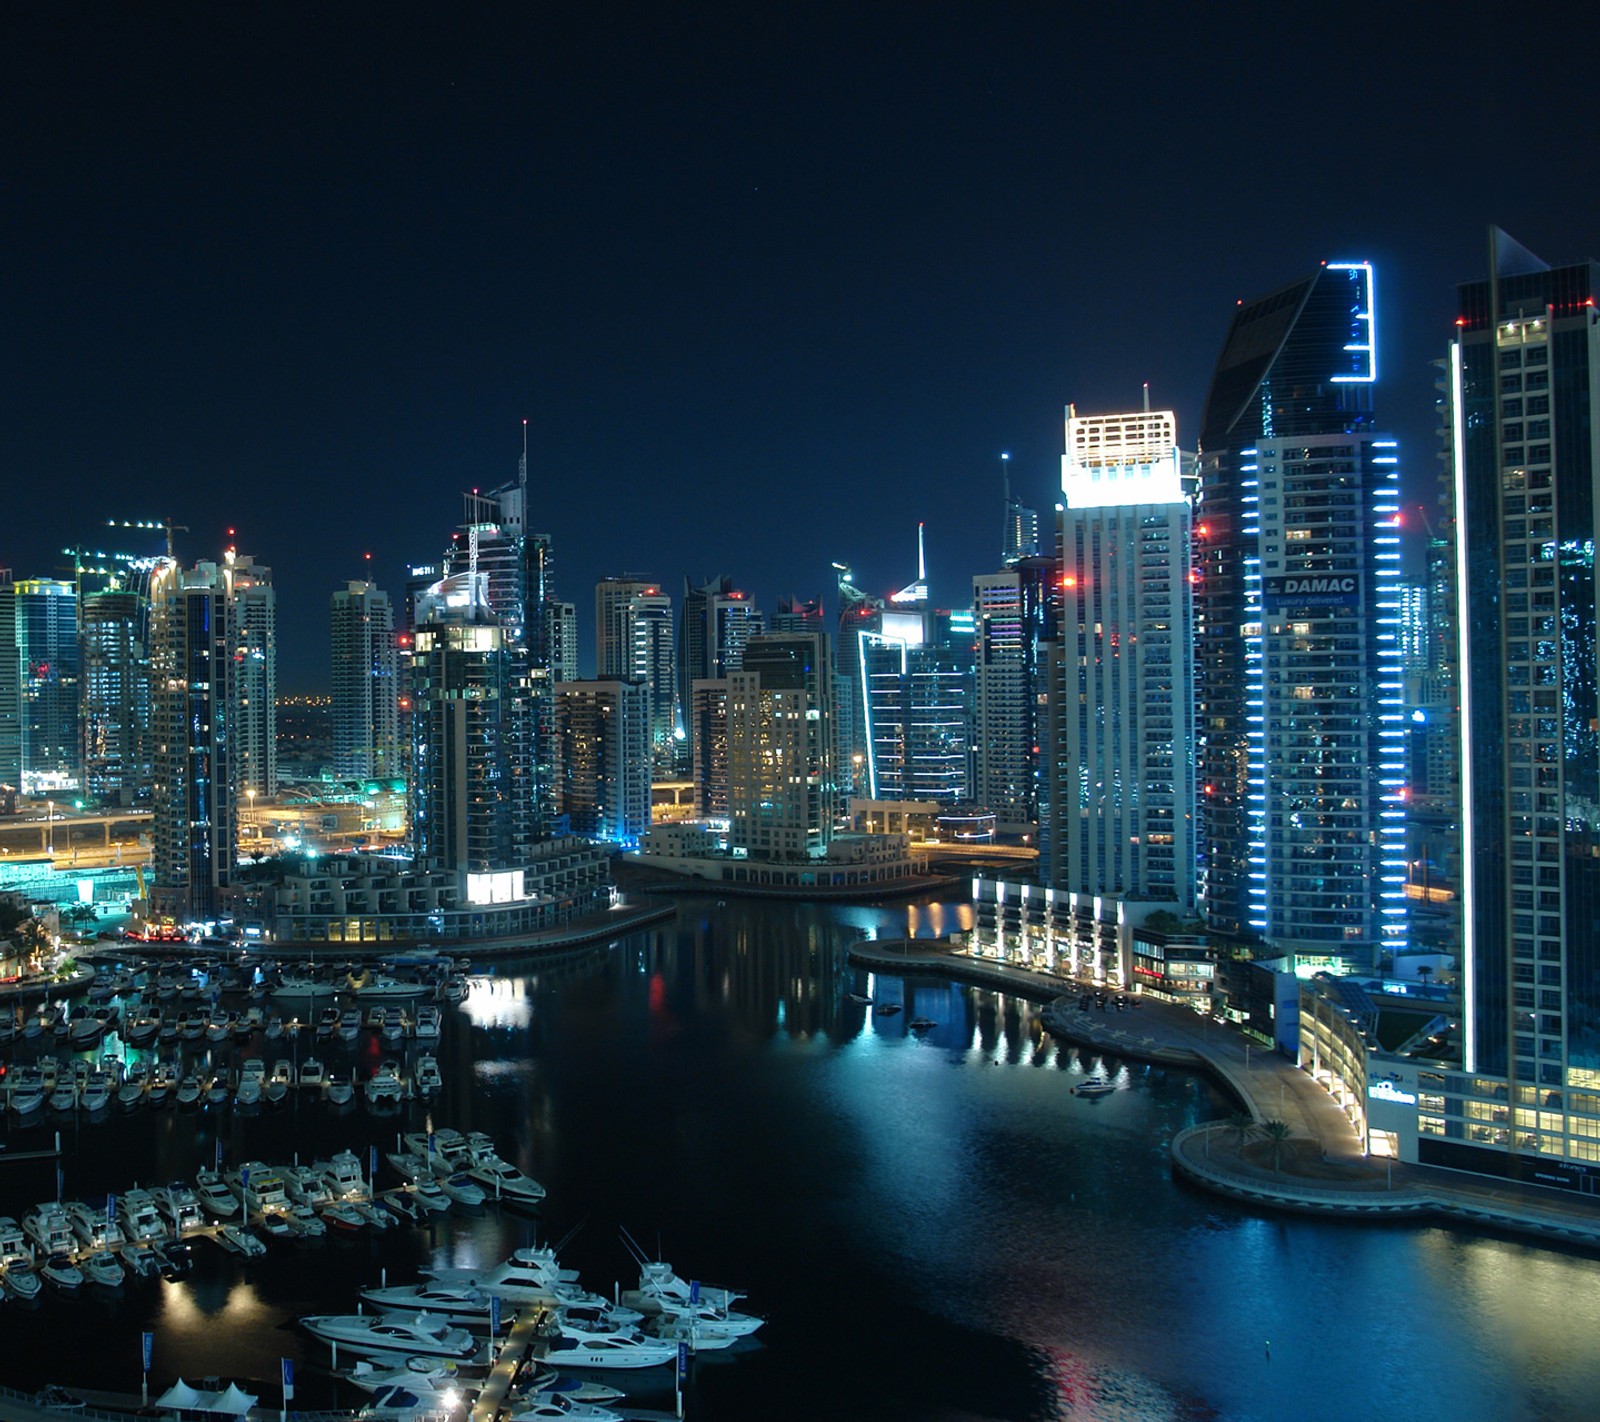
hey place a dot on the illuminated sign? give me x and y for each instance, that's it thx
(1362, 347)
(503, 886)
(1388, 1091)
(1311, 590)
(1113, 461)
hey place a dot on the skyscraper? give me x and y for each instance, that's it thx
(366, 686)
(1523, 373)
(604, 733)
(1121, 711)
(1014, 613)
(634, 641)
(46, 631)
(197, 671)
(1296, 612)
(561, 638)
(10, 688)
(255, 629)
(781, 787)
(715, 621)
(116, 697)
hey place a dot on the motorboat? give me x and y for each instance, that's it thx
(143, 1262)
(58, 1269)
(1094, 1086)
(501, 1181)
(458, 1303)
(64, 1094)
(541, 1405)
(393, 1026)
(21, 1280)
(574, 1346)
(300, 988)
(238, 1240)
(305, 1185)
(384, 1087)
(343, 1176)
(372, 1213)
(189, 1090)
(342, 1217)
(274, 1028)
(14, 1246)
(84, 1032)
(311, 1074)
(180, 1206)
(699, 1340)
(135, 1081)
(887, 1009)
(350, 1025)
(529, 1276)
(462, 1189)
(304, 1221)
(425, 1025)
(142, 1220)
(668, 1291)
(921, 1024)
(95, 1229)
(425, 1076)
(453, 989)
(546, 1380)
(328, 1022)
(389, 1335)
(259, 1187)
(163, 1081)
(173, 1260)
(447, 1152)
(192, 1026)
(410, 1165)
(375, 1016)
(385, 989)
(27, 1093)
(215, 1198)
(220, 1025)
(406, 1206)
(860, 997)
(337, 1089)
(417, 1374)
(50, 1230)
(103, 1268)
(142, 1029)
(216, 1092)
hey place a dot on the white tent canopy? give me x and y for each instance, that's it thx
(232, 1401)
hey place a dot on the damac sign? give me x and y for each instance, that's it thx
(1312, 590)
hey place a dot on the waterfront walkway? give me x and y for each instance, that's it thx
(1321, 1168)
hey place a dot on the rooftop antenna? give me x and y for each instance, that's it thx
(1147, 397)
(922, 562)
(522, 475)
(1005, 484)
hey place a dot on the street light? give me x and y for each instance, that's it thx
(50, 827)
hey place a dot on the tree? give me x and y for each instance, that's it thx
(1425, 972)
(1277, 1135)
(80, 914)
(1242, 1127)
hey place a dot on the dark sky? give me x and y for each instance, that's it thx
(772, 282)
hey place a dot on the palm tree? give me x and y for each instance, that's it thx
(1242, 1126)
(1277, 1134)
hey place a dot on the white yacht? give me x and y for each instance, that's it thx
(27, 1090)
(446, 1151)
(305, 1185)
(343, 1176)
(311, 1073)
(215, 1198)
(280, 1082)
(430, 1374)
(462, 1189)
(337, 1090)
(460, 1304)
(558, 1407)
(237, 1240)
(95, 1229)
(425, 1076)
(14, 1247)
(425, 1026)
(528, 1276)
(384, 1087)
(94, 1095)
(102, 1267)
(189, 1090)
(178, 1203)
(64, 1094)
(259, 1189)
(21, 1279)
(505, 1182)
(50, 1230)
(142, 1220)
(574, 1346)
(135, 1081)
(59, 1270)
(384, 1335)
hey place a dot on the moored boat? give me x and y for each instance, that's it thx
(385, 1335)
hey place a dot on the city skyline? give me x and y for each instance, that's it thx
(281, 274)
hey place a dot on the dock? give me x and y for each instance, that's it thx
(513, 1354)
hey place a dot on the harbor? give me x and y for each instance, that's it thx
(933, 1215)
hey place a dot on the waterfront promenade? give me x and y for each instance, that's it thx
(1321, 1169)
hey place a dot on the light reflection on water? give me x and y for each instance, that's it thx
(933, 1225)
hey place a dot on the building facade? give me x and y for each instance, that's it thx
(116, 699)
(603, 727)
(46, 613)
(1121, 767)
(366, 684)
(1014, 617)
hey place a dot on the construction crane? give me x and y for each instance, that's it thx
(165, 525)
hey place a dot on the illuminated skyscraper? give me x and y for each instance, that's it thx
(46, 613)
(366, 686)
(1297, 624)
(10, 688)
(781, 785)
(1014, 614)
(603, 727)
(1122, 720)
(255, 652)
(1526, 434)
(200, 673)
(714, 621)
(634, 642)
(561, 636)
(116, 697)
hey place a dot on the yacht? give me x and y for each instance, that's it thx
(546, 1381)
(59, 1270)
(305, 1185)
(14, 1247)
(135, 1081)
(342, 1217)
(279, 1083)
(447, 1152)
(50, 1230)
(576, 1347)
(343, 1176)
(528, 1276)
(259, 1188)
(350, 1025)
(303, 1221)
(371, 1213)
(143, 1262)
(220, 1025)
(382, 989)
(142, 1218)
(404, 1205)
(328, 1023)
(101, 1267)
(163, 1079)
(384, 1087)
(557, 1405)
(311, 1074)
(1094, 1086)
(658, 1282)
(181, 1207)
(337, 1090)
(425, 1027)
(64, 1094)
(95, 1229)
(504, 1182)
(27, 1091)
(216, 1092)
(189, 1090)
(427, 1374)
(410, 1165)
(143, 1029)
(426, 1077)
(215, 1198)
(299, 988)
(458, 1303)
(21, 1279)
(462, 1189)
(237, 1240)
(381, 1335)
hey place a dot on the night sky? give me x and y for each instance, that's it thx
(770, 282)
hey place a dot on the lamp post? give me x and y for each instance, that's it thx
(50, 827)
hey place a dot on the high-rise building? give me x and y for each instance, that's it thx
(197, 679)
(366, 684)
(1019, 537)
(255, 750)
(1014, 622)
(1121, 732)
(46, 631)
(115, 720)
(604, 733)
(10, 689)
(714, 622)
(781, 788)
(634, 642)
(461, 763)
(796, 614)
(1297, 620)
(915, 681)
(708, 733)
(1524, 369)
(561, 635)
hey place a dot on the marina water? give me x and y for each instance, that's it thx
(933, 1225)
